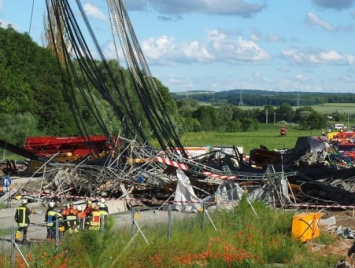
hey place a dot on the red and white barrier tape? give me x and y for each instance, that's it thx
(169, 162)
(321, 206)
(217, 176)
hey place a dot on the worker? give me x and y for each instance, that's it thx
(64, 224)
(81, 218)
(72, 219)
(103, 205)
(52, 215)
(23, 220)
(95, 219)
(104, 213)
(88, 210)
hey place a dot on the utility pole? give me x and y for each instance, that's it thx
(266, 115)
(241, 98)
(274, 117)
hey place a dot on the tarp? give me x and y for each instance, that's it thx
(303, 146)
(185, 197)
(275, 191)
(228, 191)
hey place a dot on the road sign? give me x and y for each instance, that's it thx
(6, 181)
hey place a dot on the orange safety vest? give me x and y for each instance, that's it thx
(81, 215)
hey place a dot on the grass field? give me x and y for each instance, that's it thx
(327, 108)
(268, 135)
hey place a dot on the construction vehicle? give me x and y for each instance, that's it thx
(68, 149)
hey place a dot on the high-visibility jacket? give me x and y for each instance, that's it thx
(95, 220)
(103, 212)
(105, 208)
(22, 216)
(73, 211)
(81, 215)
(72, 220)
(51, 216)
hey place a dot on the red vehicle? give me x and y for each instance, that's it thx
(67, 149)
(344, 137)
(283, 131)
(348, 150)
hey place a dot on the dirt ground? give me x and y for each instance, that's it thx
(342, 246)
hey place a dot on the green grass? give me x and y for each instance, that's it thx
(326, 108)
(268, 135)
(242, 239)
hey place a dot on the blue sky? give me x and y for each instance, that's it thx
(293, 45)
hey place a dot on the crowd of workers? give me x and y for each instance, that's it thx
(71, 219)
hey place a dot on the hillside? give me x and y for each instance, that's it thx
(253, 97)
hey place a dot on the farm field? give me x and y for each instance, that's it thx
(268, 135)
(326, 108)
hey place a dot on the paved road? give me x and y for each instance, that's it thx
(37, 229)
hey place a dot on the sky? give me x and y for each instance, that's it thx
(217, 45)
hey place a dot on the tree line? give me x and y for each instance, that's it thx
(253, 97)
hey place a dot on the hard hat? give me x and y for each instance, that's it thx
(102, 200)
(102, 205)
(79, 208)
(51, 204)
(98, 204)
(88, 202)
(24, 202)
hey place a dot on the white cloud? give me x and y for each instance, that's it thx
(240, 50)
(317, 57)
(94, 12)
(255, 37)
(165, 51)
(301, 78)
(313, 19)
(219, 47)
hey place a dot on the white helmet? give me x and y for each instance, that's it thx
(79, 208)
(102, 200)
(101, 205)
(51, 204)
(24, 201)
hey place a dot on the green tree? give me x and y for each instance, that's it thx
(246, 123)
(226, 113)
(187, 106)
(208, 116)
(285, 112)
(16, 127)
(233, 126)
